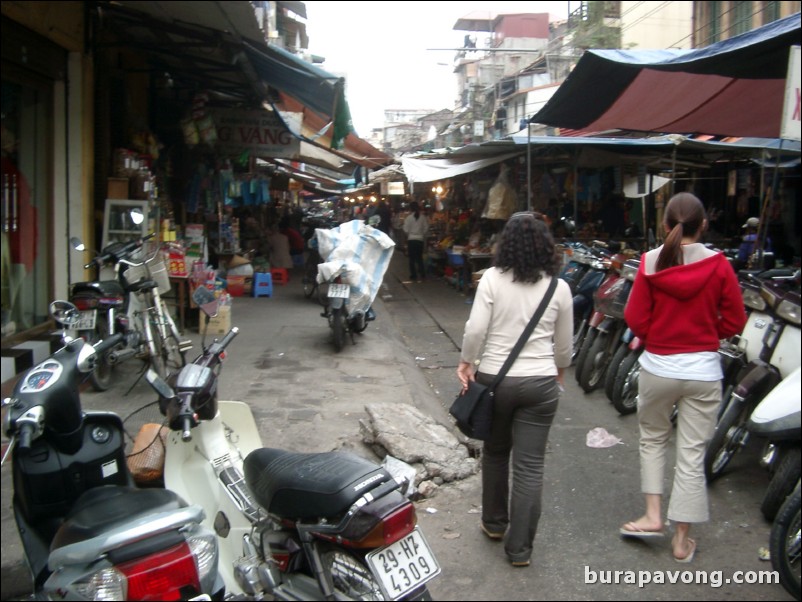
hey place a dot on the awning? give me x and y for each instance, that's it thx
(656, 153)
(218, 47)
(429, 170)
(732, 88)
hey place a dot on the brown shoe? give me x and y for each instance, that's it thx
(519, 563)
(491, 534)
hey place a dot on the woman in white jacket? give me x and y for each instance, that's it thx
(526, 400)
(416, 227)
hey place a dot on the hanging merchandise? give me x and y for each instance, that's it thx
(501, 200)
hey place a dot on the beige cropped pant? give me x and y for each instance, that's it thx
(698, 403)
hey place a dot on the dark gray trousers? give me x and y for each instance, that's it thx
(522, 416)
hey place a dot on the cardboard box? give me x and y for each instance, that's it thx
(220, 324)
(117, 188)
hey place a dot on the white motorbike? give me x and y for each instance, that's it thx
(778, 331)
(292, 526)
(87, 532)
(778, 418)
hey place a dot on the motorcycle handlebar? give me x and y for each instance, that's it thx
(26, 431)
(186, 428)
(124, 250)
(108, 343)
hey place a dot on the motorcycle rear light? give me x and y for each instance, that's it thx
(204, 551)
(389, 529)
(166, 575)
(85, 303)
(112, 301)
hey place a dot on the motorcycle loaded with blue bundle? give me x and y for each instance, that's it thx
(355, 258)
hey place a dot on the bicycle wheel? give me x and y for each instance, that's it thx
(174, 360)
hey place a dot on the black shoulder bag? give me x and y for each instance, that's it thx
(473, 409)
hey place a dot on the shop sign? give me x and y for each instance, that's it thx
(790, 128)
(260, 132)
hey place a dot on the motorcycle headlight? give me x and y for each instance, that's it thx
(753, 299)
(788, 311)
(630, 270)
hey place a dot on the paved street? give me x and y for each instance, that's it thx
(306, 397)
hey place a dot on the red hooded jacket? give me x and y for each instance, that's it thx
(686, 308)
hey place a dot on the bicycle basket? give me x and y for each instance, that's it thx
(153, 268)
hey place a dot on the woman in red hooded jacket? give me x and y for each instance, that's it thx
(685, 299)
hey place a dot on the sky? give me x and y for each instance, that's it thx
(385, 50)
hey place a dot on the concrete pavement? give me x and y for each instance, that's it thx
(306, 397)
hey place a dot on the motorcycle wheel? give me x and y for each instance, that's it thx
(595, 364)
(102, 376)
(726, 438)
(590, 336)
(338, 326)
(612, 370)
(581, 330)
(310, 279)
(348, 575)
(625, 389)
(782, 483)
(784, 543)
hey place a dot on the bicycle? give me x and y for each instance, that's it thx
(147, 281)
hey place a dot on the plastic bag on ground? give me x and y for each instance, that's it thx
(600, 438)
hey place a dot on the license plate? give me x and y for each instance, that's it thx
(340, 291)
(403, 566)
(87, 320)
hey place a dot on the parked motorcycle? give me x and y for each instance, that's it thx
(356, 256)
(292, 526)
(594, 259)
(784, 543)
(779, 356)
(130, 304)
(86, 531)
(778, 418)
(605, 327)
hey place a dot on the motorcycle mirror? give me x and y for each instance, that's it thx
(76, 244)
(65, 313)
(206, 301)
(159, 384)
(137, 216)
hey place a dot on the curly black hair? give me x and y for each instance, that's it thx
(527, 248)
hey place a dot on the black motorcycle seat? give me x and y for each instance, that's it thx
(307, 486)
(104, 288)
(142, 285)
(103, 508)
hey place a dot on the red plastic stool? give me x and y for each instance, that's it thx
(280, 275)
(262, 285)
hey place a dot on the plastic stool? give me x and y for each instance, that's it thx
(262, 285)
(280, 275)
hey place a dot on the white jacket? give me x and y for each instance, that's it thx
(416, 229)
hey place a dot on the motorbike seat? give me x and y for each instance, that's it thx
(103, 288)
(305, 486)
(142, 285)
(103, 508)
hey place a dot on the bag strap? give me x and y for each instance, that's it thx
(526, 333)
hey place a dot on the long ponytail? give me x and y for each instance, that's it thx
(685, 216)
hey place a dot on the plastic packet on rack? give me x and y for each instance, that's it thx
(360, 254)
